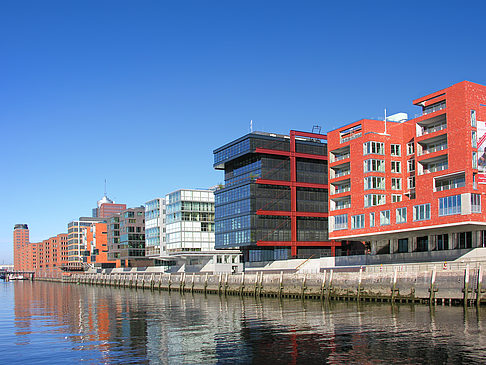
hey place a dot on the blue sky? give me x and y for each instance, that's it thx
(141, 92)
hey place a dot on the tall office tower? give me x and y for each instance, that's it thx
(413, 187)
(107, 208)
(274, 202)
(155, 227)
(20, 243)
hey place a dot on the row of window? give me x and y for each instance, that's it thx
(448, 205)
(376, 165)
(378, 148)
(378, 183)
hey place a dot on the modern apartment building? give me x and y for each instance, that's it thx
(155, 227)
(126, 238)
(77, 254)
(415, 185)
(274, 202)
(96, 238)
(190, 221)
(20, 242)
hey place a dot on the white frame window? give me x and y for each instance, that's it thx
(384, 218)
(410, 148)
(373, 148)
(396, 198)
(358, 221)
(474, 139)
(476, 203)
(373, 200)
(396, 183)
(373, 165)
(473, 118)
(372, 219)
(395, 150)
(411, 165)
(396, 167)
(474, 160)
(411, 182)
(421, 212)
(401, 215)
(374, 182)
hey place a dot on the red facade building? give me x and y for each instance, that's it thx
(20, 242)
(406, 186)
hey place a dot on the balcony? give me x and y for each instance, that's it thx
(339, 154)
(341, 203)
(431, 125)
(340, 170)
(341, 187)
(341, 157)
(432, 145)
(434, 164)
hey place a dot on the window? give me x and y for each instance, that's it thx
(401, 215)
(476, 203)
(373, 165)
(474, 140)
(374, 182)
(372, 200)
(372, 219)
(376, 148)
(411, 182)
(474, 160)
(396, 166)
(395, 150)
(341, 222)
(411, 165)
(396, 183)
(473, 118)
(450, 205)
(384, 218)
(410, 148)
(421, 212)
(396, 198)
(403, 245)
(357, 221)
(442, 242)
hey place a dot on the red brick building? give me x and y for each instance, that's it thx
(96, 245)
(20, 242)
(413, 185)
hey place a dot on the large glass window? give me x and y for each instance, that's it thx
(476, 203)
(450, 205)
(373, 165)
(403, 245)
(384, 218)
(374, 182)
(371, 200)
(421, 212)
(401, 215)
(357, 221)
(375, 148)
(341, 222)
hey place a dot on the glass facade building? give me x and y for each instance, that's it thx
(274, 202)
(155, 227)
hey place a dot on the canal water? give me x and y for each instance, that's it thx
(54, 323)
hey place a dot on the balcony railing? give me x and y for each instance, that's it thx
(341, 157)
(434, 149)
(342, 189)
(350, 137)
(342, 173)
(432, 129)
(343, 205)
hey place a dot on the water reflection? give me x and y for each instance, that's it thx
(59, 323)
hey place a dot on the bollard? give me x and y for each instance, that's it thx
(192, 283)
(358, 297)
(394, 285)
(242, 285)
(170, 282)
(182, 283)
(466, 285)
(329, 286)
(206, 284)
(479, 291)
(304, 279)
(323, 285)
(433, 289)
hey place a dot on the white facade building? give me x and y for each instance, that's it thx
(155, 245)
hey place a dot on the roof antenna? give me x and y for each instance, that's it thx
(385, 120)
(105, 187)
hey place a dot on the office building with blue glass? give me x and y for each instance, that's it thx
(274, 201)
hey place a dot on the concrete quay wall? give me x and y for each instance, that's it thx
(434, 286)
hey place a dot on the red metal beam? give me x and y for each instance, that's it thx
(288, 214)
(300, 243)
(311, 156)
(309, 135)
(269, 151)
(289, 183)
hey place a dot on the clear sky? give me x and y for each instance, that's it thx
(141, 92)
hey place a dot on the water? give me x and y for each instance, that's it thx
(53, 323)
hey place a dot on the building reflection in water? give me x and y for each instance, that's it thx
(104, 324)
